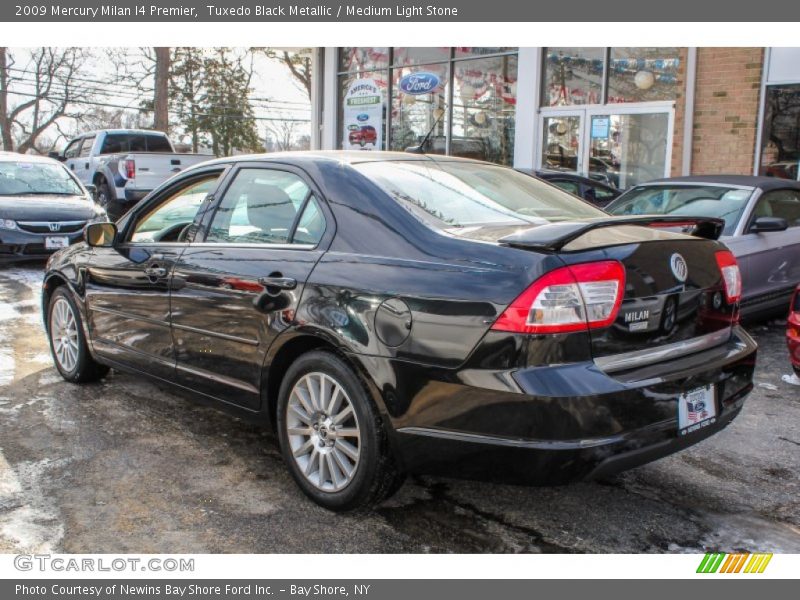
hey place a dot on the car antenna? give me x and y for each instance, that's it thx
(420, 149)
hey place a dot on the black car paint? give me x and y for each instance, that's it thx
(410, 308)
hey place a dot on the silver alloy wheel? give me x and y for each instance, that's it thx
(64, 334)
(323, 432)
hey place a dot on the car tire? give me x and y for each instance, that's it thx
(340, 462)
(362, 143)
(67, 342)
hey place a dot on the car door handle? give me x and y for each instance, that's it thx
(155, 272)
(283, 283)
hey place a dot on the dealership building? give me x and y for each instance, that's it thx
(625, 115)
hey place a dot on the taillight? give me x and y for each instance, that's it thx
(129, 166)
(731, 276)
(573, 298)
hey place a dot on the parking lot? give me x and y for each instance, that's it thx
(124, 466)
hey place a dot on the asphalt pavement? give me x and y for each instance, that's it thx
(125, 466)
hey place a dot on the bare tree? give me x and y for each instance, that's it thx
(161, 95)
(282, 134)
(39, 92)
(298, 63)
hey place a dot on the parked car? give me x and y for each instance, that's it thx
(124, 165)
(762, 226)
(793, 331)
(591, 190)
(43, 207)
(365, 134)
(394, 313)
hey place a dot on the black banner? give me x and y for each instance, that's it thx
(383, 10)
(389, 589)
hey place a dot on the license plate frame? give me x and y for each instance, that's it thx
(56, 242)
(697, 409)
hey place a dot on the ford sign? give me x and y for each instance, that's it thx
(363, 117)
(419, 83)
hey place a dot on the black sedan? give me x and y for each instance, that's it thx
(43, 207)
(591, 190)
(394, 313)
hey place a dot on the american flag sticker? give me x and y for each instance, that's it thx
(696, 409)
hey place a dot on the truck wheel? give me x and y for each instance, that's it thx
(103, 194)
(362, 143)
(67, 343)
(331, 435)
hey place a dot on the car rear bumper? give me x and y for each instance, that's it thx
(572, 423)
(20, 245)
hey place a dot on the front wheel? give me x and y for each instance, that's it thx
(67, 342)
(331, 436)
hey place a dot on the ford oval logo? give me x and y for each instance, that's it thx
(419, 83)
(679, 267)
(363, 117)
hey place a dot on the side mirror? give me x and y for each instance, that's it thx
(91, 188)
(100, 235)
(764, 224)
(56, 155)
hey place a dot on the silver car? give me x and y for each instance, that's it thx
(762, 227)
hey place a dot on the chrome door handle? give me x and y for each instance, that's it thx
(283, 283)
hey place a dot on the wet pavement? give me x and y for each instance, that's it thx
(124, 466)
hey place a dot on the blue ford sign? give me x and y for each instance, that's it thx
(362, 117)
(419, 83)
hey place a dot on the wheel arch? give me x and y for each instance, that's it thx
(282, 356)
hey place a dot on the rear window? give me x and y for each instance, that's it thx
(687, 200)
(455, 194)
(115, 143)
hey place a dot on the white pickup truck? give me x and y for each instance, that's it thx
(124, 165)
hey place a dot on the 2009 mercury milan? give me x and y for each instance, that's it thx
(395, 313)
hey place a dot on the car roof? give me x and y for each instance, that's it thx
(764, 183)
(33, 158)
(348, 157)
(120, 131)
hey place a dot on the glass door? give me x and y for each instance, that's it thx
(619, 145)
(561, 141)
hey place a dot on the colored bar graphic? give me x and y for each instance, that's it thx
(712, 562)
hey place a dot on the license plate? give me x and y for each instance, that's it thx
(696, 409)
(56, 242)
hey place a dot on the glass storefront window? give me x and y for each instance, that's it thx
(363, 59)
(484, 102)
(628, 149)
(643, 74)
(780, 141)
(561, 143)
(416, 112)
(573, 76)
(346, 82)
(418, 56)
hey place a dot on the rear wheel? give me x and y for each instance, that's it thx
(67, 342)
(331, 436)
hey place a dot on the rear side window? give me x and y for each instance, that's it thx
(115, 143)
(264, 206)
(452, 194)
(567, 186)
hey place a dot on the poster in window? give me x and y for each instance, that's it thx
(363, 116)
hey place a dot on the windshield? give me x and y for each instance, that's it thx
(33, 178)
(455, 194)
(689, 200)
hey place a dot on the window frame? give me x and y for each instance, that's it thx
(201, 238)
(163, 195)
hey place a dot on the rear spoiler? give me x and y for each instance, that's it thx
(553, 237)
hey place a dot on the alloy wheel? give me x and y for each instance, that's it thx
(323, 432)
(64, 334)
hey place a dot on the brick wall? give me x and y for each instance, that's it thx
(726, 111)
(680, 112)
